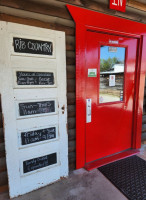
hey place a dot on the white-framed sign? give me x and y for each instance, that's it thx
(112, 80)
(37, 135)
(27, 45)
(34, 78)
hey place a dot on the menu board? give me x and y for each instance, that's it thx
(35, 78)
(29, 46)
(35, 108)
(34, 136)
(40, 162)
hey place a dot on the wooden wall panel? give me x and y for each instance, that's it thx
(33, 22)
(53, 14)
(37, 8)
(137, 5)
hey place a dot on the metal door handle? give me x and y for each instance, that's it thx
(88, 110)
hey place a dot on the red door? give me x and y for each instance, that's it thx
(110, 84)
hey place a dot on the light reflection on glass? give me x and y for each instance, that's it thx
(112, 60)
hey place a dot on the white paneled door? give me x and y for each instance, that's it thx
(33, 92)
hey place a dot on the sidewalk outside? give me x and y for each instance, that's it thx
(80, 185)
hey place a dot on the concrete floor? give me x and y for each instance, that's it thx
(80, 185)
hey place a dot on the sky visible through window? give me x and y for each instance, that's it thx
(105, 54)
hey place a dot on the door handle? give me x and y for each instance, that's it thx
(88, 110)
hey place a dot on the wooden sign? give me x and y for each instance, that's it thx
(35, 78)
(34, 108)
(119, 5)
(29, 46)
(40, 162)
(30, 137)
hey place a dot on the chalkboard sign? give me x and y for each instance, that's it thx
(40, 162)
(35, 78)
(35, 108)
(38, 135)
(22, 45)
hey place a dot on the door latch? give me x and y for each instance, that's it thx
(88, 110)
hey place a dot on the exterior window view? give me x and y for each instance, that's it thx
(112, 65)
(73, 99)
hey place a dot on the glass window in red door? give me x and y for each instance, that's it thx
(112, 67)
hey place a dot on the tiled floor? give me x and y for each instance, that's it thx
(80, 185)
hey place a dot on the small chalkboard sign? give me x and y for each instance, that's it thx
(35, 78)
(35, 108)
(29, 46)
(40, 162)
(30, 137)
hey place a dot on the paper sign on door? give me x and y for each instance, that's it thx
(111, 80)
(92, 72)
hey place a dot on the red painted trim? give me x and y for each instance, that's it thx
(80, 97)
(136, 100)
(110, 159)
(87, 19)
(140, 92)
(104, 30)
(104, 21)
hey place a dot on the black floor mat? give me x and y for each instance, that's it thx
(129, 176)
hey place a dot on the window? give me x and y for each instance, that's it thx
(112, 66)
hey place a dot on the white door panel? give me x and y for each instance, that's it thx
(33, 92)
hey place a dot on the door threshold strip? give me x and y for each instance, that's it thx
(110, 159)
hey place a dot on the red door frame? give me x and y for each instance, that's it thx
(86, 19)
